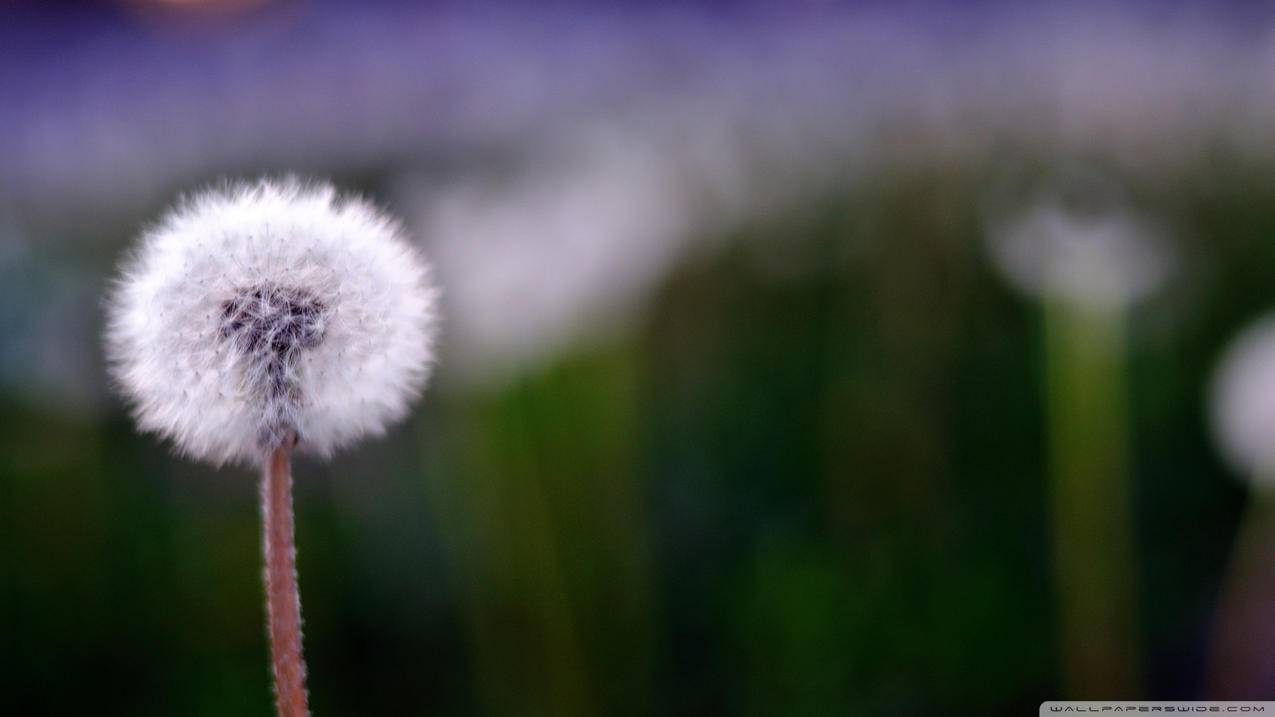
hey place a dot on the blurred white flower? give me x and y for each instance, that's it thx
(261, 308)
(534, 260)
(1102, 258)
(1243, 402)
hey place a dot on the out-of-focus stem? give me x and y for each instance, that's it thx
(1242, 656)
(1090, 497)
(283, 599)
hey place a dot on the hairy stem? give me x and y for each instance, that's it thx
(283, 600)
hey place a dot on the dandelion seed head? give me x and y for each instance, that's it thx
(264, 307)
(1105, 258)
(1243, 402)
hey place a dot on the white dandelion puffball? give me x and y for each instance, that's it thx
(1104, 260)
(258, 309)
(1243, 402)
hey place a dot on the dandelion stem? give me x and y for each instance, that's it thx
(1090, 496)
(283, 600)
(1242, 656)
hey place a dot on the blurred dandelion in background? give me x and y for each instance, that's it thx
(1084, 254)
(1243, 413)
(1081, 244)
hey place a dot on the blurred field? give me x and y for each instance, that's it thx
(734, 415)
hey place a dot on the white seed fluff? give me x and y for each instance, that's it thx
(264, 307)
(1243, 402)
(1104, 261)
